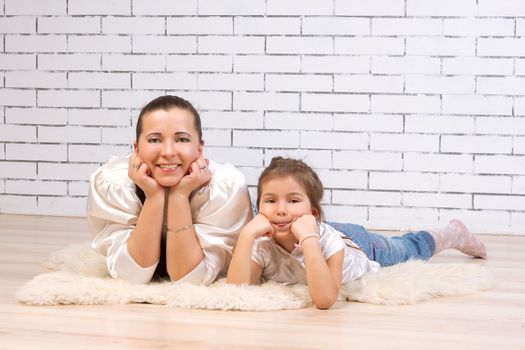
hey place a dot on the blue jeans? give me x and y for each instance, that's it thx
(389, 250)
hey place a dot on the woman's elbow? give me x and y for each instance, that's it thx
(130, 275)
(199, 275)
(133, 278)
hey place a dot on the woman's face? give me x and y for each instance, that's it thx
(168, 144)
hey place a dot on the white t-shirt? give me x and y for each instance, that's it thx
(280, 266)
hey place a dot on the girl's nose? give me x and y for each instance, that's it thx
(281, 210)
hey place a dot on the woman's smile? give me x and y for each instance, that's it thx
(168, 168)
(169, 144)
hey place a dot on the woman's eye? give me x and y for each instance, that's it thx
(183, 139)
(153, 140)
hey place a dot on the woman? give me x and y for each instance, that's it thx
(164, 210)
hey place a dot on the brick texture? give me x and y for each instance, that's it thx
(412, 111)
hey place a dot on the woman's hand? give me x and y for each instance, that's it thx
(304, 225)
(258, 226)
(140, 174)
(198, 175)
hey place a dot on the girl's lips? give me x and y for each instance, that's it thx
(281, 224)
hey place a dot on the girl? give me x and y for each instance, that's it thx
(288, 242)
(164, 210)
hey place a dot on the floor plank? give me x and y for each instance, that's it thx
(487, 320)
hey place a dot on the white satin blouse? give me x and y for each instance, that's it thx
(219, 209)
(280, 266)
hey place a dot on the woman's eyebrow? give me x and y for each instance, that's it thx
(182, 133)
(178, 133)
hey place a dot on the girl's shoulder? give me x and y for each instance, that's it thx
(325, 230)
(330, 239)
(264, 242)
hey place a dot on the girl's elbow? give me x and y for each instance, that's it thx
(325, 302)
(231, 280)
(238, 281)
(327, 299)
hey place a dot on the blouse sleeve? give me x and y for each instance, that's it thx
(112, 213)
(219, 210)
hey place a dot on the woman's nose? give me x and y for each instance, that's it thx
(168, 149)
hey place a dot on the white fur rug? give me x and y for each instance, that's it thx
(80, 277)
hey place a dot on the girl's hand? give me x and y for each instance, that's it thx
(258, 227)
(304, 225)
(140, 174)
(198, 175)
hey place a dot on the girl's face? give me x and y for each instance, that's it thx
(283, 200)
(168, 144)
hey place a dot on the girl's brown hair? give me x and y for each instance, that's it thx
(300, 172)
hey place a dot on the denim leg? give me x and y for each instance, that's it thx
(389, 250)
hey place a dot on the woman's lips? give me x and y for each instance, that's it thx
(168, 168)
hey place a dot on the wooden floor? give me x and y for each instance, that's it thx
(493, 319)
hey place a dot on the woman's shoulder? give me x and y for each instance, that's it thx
(225, 174)
(115, 172)
(111, 191)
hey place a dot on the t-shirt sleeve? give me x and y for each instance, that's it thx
(260, 252)
(331, 241)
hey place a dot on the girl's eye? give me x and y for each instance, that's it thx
(269, 201)
(294, 200)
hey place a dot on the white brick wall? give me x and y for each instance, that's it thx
(164, 7)
(39, 8)
(317, 158)
(18, 25)
(412, 111)
(441, 7)
(70, 25)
